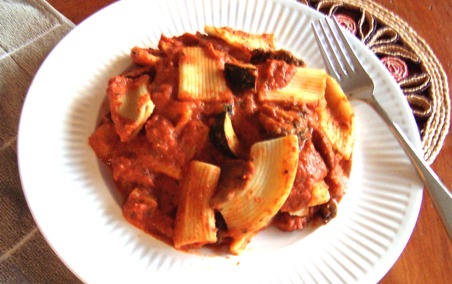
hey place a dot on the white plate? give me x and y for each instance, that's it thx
(76, 209)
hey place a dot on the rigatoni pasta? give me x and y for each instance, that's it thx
(242, 40)
(212, 137)
(306, 86)
(201, 77)
(337, 119)
(130, 105)
(253, 206)
(195, 220)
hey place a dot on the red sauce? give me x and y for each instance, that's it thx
(275, 74)
(148, 169)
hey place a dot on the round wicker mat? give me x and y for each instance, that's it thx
(409, 59)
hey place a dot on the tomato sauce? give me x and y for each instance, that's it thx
(148, 169)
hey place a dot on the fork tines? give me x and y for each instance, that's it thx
(339, 57)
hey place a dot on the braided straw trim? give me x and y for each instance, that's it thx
(437, 125)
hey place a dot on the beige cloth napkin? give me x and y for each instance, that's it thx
(29, 29)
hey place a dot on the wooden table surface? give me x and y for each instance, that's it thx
(428, 255)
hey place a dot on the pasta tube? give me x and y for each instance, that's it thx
(195, 220)
(242, 39)
(336, 119)
(130, 105)
(251, 208)
(306, 86)
(201, 77)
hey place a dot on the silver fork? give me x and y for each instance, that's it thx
(344, 66)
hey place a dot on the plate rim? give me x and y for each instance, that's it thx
(24, 117)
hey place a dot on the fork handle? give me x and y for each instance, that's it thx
(440, 195)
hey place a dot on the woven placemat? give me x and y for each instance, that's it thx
(409, 59)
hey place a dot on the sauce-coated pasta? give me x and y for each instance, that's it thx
(212, 137)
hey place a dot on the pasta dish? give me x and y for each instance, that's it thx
(212, 137)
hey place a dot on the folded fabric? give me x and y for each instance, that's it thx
(29, 29)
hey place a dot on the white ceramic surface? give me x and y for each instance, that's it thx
(74, 203)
